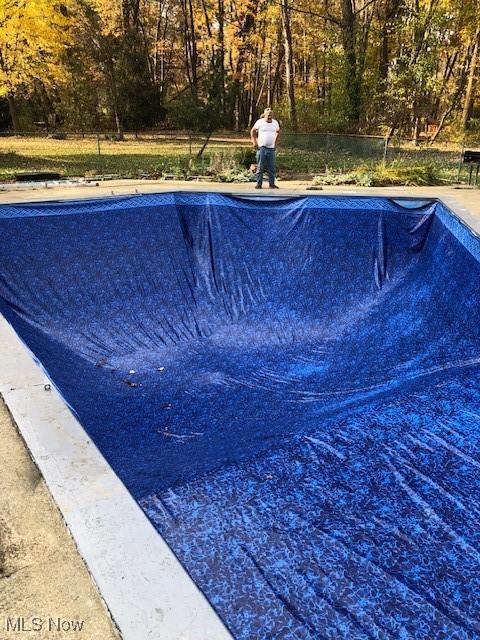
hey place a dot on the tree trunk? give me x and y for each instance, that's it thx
(454, 100)
(130, 14)
(269, 78)
(258, 80)
(384, 56)
(12, 107)
(204, 145)
(289, 69)
(165, 63)
(277, 76)
(447, 73)
(251, 95)
(469, 93)
(352, 79)
(190, 44)
(194, 53)
(115, 99)
(416, 126)
(390, 132)
(221, 43)
(392, 8)
(243, 33)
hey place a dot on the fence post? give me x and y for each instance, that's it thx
(327, 152)
(385, 148)
(460, 161)
(99, 153)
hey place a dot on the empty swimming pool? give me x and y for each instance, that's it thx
(289, 388)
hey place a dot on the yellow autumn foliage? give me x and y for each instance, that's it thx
(34, 35)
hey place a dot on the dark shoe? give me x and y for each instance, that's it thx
(258, 186)
(273, 186)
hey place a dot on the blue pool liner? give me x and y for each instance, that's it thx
(289, 388)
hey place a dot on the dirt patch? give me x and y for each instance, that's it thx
(46, 591)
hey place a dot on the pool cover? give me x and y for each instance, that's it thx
(289, 389)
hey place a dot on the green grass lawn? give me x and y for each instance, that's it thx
(80, 157)
(224, 158)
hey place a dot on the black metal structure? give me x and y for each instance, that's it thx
(472, 158)
(37, 176)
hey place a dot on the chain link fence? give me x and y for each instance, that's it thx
(161, 153)
(342, 153)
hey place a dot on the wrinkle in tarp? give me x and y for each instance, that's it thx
(289, 389)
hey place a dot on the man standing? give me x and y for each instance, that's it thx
(264, 135)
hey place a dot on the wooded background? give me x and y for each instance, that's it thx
(408, 67)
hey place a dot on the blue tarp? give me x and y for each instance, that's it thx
(289, 389)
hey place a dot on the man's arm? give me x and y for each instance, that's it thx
(254, 135)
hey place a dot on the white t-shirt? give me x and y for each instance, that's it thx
(267, 132)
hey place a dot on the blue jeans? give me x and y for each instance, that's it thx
(266, 162)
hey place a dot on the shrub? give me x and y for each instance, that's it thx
(381, 175)
(234, 175)
(245, 157)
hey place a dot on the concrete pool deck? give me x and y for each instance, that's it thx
(135, 562)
